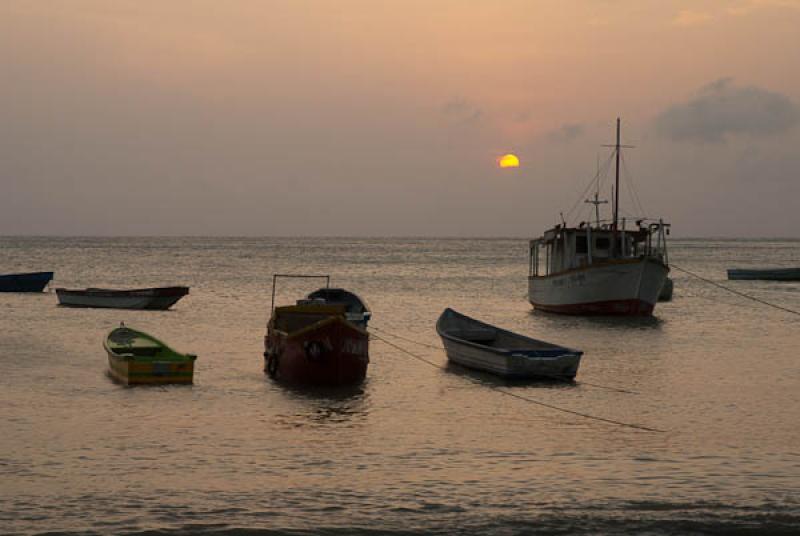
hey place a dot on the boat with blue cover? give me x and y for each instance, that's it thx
(322, 340)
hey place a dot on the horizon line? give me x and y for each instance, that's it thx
(371, 237)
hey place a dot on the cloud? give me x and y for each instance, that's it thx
(566, 133)
(746, 7)
(459, 109)
(722, 109)
(691, 18)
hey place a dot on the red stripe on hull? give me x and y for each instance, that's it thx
(613, 307)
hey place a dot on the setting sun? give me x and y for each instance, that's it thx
(508, 161)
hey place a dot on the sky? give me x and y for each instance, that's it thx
(386, 118)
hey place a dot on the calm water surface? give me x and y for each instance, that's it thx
(416, 449)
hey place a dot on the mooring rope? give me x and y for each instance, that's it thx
(742, 294)
(407, 339)
(525, 398)
(557, 378)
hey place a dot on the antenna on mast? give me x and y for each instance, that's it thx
(596, 201)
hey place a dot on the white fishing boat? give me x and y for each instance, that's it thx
(600, 267)
(160, 298)
(478, 345)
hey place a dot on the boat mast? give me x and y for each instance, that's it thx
(617, 147)
(616, 183)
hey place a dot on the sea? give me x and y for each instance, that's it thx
(683, 423)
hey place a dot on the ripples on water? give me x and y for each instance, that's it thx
(415, 449)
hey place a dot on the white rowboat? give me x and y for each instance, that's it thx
(477, 345)
(145, 298)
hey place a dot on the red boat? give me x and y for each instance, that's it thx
(322, 340)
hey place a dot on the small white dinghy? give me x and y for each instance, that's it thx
(477, 345)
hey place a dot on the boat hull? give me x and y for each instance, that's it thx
(626, 288)
(768, 274)
(477, 345)
(513, 366)
(132, 371)
(30, 282)
(150, 299)
(666, 290)
(329, 353)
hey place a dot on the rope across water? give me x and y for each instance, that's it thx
(732, 291)
(519, 396)
(599, 386)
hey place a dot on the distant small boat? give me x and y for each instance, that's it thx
(319, 341)
(29, 282)
(144, 298)
(477, 345)
(769, 274)
(136, 358)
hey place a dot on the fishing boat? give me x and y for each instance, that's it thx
(767, 274)
(136, 358)
(600, 268)
(145, 298)
(28, 282)
(322, 340)
(477, 345)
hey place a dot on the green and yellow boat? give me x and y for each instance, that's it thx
(136, 358)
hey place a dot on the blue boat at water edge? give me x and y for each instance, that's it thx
(765, 274)
(29, 282)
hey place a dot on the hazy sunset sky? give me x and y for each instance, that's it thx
(373, 118)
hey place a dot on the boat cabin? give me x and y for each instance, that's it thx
(319, 305)
(567, 248)
(293, 318)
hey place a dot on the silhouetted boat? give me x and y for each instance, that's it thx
(477, 345)
(136, 358)
(769, 274)
(321, 340)
(28, 282)
(145, 298)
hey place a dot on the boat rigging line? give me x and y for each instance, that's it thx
(732, 291)
(588, 384)
(597, 181)
(525, 398)
(632, 193)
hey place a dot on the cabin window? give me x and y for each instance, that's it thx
(602, 243)
(581, 244)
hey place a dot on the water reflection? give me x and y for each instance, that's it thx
(492, 380)
(322, 406)
(607, 321)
